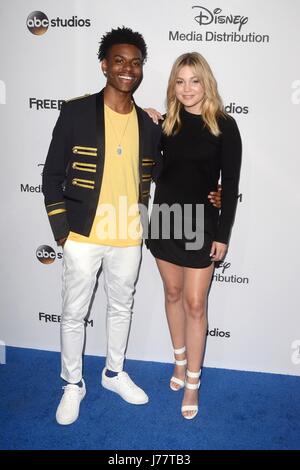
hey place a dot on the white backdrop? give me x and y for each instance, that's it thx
(254, 301)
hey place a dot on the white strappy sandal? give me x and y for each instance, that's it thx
(194, 408)
(174, 379)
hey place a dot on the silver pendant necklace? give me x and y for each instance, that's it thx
(119, 149)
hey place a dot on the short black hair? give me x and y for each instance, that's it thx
(121, 36)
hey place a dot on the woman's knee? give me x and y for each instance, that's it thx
(195, 307)
(173, 293)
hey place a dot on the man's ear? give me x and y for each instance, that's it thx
(104, 67)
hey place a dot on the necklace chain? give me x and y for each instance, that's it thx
(119, 141)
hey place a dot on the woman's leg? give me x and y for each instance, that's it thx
(195, 291)
(172, 277)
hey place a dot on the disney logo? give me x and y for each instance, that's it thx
(224, 265)
(206, 17)
(41, 165)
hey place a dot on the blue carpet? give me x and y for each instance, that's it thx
(238, 410)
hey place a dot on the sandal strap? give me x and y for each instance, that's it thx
(189, 408)
(183, 362)
(193, 375)
(192, 386)
(177, 381)
(180, 350)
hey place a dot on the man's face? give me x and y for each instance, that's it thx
(124, 67)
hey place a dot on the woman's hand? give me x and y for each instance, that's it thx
(218, 251)
(216, 197)
(155, 115)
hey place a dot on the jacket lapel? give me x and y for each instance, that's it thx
(100, 131)
(100, 135)
(141, 125)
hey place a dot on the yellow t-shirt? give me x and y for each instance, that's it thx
(117, 221)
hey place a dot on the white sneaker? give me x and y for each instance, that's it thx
(68, 408)
(125, 387)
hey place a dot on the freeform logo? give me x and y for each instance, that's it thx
(2, 92)
(296, 353)
(218, 333)
(45, 103)
(47, 317)
(296, 93)
(38, 22)
(46, 255)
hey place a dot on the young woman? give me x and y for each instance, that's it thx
(201, 143)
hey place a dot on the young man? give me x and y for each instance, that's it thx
(102, 156)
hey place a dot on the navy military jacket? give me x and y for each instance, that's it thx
(74, 166)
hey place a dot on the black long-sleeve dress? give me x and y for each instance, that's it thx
(193, 160)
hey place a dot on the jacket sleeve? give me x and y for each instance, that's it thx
(231, 151)
(54, 174)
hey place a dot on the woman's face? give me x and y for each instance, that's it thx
(188, 90)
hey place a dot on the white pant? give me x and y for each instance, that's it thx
(81, 264)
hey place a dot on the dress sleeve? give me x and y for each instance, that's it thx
(231, 152)
(158, 153)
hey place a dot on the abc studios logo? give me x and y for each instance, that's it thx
(37, 23)
(46, 255)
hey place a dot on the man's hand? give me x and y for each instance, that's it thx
(218, 251)
(215, 197)
(61, 241)
(155, 115)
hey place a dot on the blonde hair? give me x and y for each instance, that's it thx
(212, 105)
